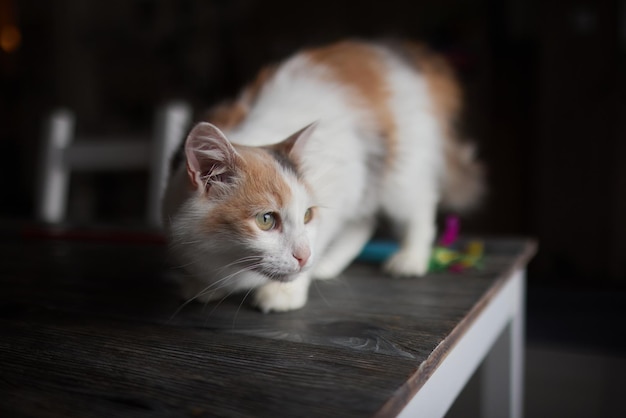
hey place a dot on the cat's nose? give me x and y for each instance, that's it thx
(302, 255)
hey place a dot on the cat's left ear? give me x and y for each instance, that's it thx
(211, 159)
(293, 145)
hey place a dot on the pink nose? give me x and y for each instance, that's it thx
(302, 255)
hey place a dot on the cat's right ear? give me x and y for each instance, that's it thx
(211, 159)
(294, 144)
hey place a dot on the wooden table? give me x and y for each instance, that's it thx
(88, 329)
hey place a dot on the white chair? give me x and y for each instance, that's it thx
(61, 155)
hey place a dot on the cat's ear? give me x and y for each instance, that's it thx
(211, 159)
(293, 145)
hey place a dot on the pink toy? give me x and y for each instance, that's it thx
(450, 232)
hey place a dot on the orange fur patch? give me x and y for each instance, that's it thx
(441, 81)
(358, 66)
(262, 188)
(228, 115)
(262, 79)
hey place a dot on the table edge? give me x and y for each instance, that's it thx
(414, 383)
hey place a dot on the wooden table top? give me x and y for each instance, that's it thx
(92, 329)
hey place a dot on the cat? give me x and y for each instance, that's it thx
(285, 183)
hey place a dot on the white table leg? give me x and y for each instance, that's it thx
(503, 369)
(482, 342)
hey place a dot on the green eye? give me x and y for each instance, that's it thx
(308, 215)
(265, 221)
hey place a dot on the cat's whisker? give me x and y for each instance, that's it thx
(210, 288)
(180, 308)
(187, 242)
(239, 307)
(241, 260)
(221, 269)
(191, 263)
(319, 292)
(230, 293)
(217, 305)
(222, 281)
(226, 278)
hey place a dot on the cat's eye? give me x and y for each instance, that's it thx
(308, 215)
(266, 221)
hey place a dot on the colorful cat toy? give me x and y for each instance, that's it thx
(444, 255)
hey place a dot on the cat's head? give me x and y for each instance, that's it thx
(251, 207)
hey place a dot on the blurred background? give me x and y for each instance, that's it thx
(545, 86)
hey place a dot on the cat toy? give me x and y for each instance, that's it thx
(445, 255)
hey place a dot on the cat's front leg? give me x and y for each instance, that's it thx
(413, 257)
(282, 296)
(344, 249)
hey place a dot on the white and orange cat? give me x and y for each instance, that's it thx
(289, 187)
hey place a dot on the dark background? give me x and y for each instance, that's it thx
(545, 85)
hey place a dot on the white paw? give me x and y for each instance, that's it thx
(282, 297)
(407, 263)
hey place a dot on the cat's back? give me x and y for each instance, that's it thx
(347, 83)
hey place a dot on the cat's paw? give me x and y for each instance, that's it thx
(281, 297)
(407, 264)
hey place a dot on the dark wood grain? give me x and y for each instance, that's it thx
(92, 329)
